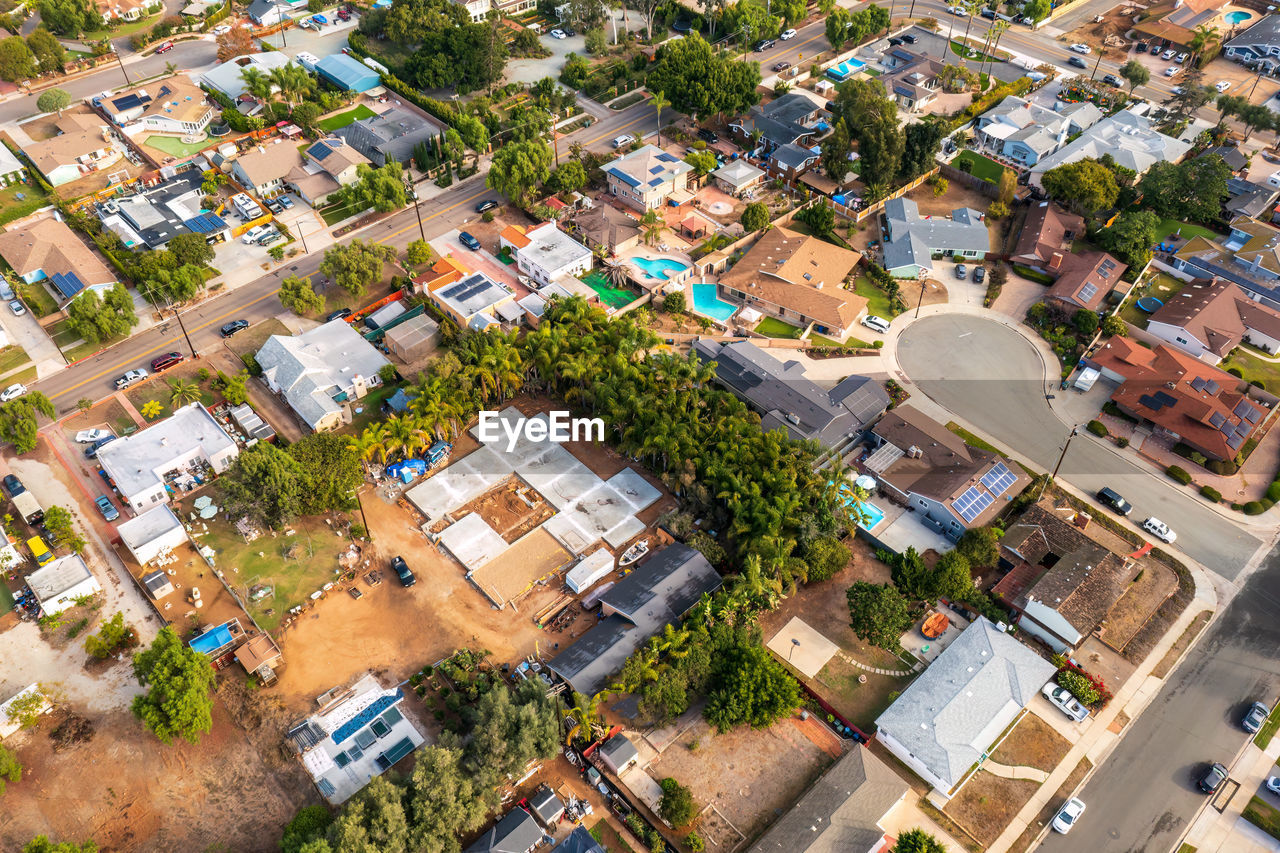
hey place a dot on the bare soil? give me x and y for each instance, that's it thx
(1180, 645)
(1068, 787)
(1143, 597)
(987, 803)
(1032, 743)
(506, 511)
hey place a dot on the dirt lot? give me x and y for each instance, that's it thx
(1138, 603)
(987, 803)
(507, 513)
(1032, 743)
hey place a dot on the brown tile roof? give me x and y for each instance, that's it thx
(1199, 402)
(1208, 310)
(1084, 280)
(605, 225)
(263, 165)
(802, 274)
(52, 246)
(1048, 229)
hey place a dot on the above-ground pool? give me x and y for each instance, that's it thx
(1236, 18)
(659, 267)
(846, 69)
(706, 302)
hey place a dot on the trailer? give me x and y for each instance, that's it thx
(29, 508)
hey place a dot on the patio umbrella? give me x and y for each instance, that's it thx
(203, 501)
(209, 511)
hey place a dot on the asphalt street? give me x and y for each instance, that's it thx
(991, 377)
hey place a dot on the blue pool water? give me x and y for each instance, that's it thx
(705, 301)
(874, 515)
(845, 69)
(1235, 18)
(660, 268)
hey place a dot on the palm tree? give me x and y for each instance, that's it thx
(659, 101)
(368, 444)
(1205, 38)
(586, 710)
(405, 434)
(615, 273)
(256, 83)
(182, 392)
(653, 225)
(971, 7)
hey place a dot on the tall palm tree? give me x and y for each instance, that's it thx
(653, 225)
(368, 444)
(256, 83)
(1205, 37)
(971, 7)
(660, 102)
(182, 392)
(404, 434)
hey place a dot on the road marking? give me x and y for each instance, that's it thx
(966, 334)
(624, 127)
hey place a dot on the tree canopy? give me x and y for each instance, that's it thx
(1131, 236)
(179, 682)
(676, 806)
(701, 82)
(878, 613)
(17, 63)
(1084, 186)
(1192, 191)
(380, 189)
(69, 18)
(918, 841)
(102, 318)
(10, 769)
(265, 483)
(53, 100)
(299, 296)
(872, 120)
(755, 216)
(751, 688)
(1135, 73)
(518, 168)
(356, 265)
(42, 844)
(18, 420)
(330, 472)
(49, 53)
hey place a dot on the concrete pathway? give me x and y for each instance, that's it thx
(25, 331)
(899, 673)
(1007, 771)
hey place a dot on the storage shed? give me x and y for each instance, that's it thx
(618, 753)
(60, 583)
(346, 73)
(414, 338)
(589, 570)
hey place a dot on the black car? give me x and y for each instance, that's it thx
(708, 136)
(1113, 80)
(1213, 778)
(403, 572)
(13, 485)
(487, 204)
(467, 240)
(1111, 498)
(91, 451)
(570, 31)
(340, 314)
(1142, 47)
(1077, 62)
(895, 41)
(234, 326)
(909, 38)
(763, 44)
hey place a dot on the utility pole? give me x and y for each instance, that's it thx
(127, 81)
(1094, 73)
(1075, 430)
(177, 315)
(920, 301)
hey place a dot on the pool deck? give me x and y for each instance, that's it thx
(693, 306)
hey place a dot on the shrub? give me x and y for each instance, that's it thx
(1098, 428)
(1179, 474)
(1079, 686)
(1121, 441)
(677, 802)
(1254, 508)
(1235, 371)
(1211, 494)
(1273, 491)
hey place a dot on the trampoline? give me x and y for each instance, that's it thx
(1149, 304)
(845, 70)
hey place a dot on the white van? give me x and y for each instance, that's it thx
(879, 324)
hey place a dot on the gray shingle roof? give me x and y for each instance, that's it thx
(311, 368)
(517, 832)
(914, 240)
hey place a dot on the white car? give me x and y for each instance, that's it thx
(89, 436)
(1068, 815)
(558, 34)
(1172, 70)
(220, 30)
(1169, 54)
(1273, 784)
(1222, 85)
(1081, 48)
(1178, 90)
(958, 10)
(1062, 699)
(1160, 530)
(879, 324)
(787, 35)
(13, 392)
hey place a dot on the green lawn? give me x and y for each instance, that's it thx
(341, 120)
(6, 599)
(37, 299)
(126, 29)
(174, 146)
(370, 408)
(1170, 226)
(158, 390)
(772, 327)
(12, 357)
(1163, 287)
(972, 440)
(1263, 815)
(11, 207)
(968, 52)
(1263, 738)
(983, 167)
(877, 299)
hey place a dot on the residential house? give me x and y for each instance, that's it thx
(1245, 198)
(268, 13)
(953, 487)
(659, 592)
(833, 417)
(913, 81)
(320, 371)
(647, 178)
(1208, 318)
(844, 810)
(1235, 159)
(473, 301)
(800, 279)
(153, 534)
(177, 106)
(11, 168)
(788, 162)
(1025, 132)
(738, 177)
(477, 9)
(83, 145)
(546, 806)
(945, 721)
(1177, 20)
(792, 119)
(336, 159)
(227, 77)
(912, 240)
(517, 832)
(121, 10)
(48, 250)
(1127, 136)
(263, 170)
(1046, 237)
(578, 841)
(1061, 583)
(57, 586)
(152, 216)
(357, 733)
(1258, 46)
(391, 136)
(1085, 280)
(1179, 395)
(190, 442)
(260, 656)
(605, 226)
(1249, 256)
(347, 73)
(545, 254)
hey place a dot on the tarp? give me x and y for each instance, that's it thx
(1087, 377)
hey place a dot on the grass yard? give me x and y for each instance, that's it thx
(983, 167)
(12, 207)
(1171, 226)
(1161, 286)
(368, 410)
(252, 338)
(334, 213)
(772, 327)
(37, 298)
(1268, 730)
(1263, 815)
(987, 803)
(12, 357)
(608, 838)
(6, 599)
(126, 29)
(174, 146)
(341, 120)
(967, 52)
(1253, 369)
(1032, 743)
(877, 299)
(158, 389)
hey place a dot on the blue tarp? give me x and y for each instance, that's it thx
(210, 641)
(407, 469)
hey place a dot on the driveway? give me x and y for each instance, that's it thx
(25, 331)
(990, 376)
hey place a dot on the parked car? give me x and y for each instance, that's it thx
(1112, 80)
(1111, 498)
(1213, 778)
(763, 44)
(108, 509)
(89, 436)
(17, 308)
(1169, 54)
(708, 136)
(558, 34)
(623, 140)
(403, 572)
(487, 204)
(285, 201)
(220, 30)
(1142, 47)
(958, 10)
(1077, 62)
(467, 240)
(909, 38)
(781, 66)
(879, 324)
(1061, 698)
(355, 593)
(234, 326)
(13, 392)
(787, 35)
(1255, 717)
(13, 485)
(91, 452)
(1160, 530)
(962, 272)
(896, 41)
(165, 48)
(344, 15)
(1222, 85)
(1068, 815)
(340, 314)
(164, 362)
(1273, 784)
(979, 274)
(133, 377)
(1181, 58)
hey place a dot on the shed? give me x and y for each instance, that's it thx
(152, 535)
(260, 655)
(546, 806)
(346, 73)
(618, 753)
(384, 315)
(158, 584)
(59, 584)
(589, 570)
(413, 338)
(251, 424)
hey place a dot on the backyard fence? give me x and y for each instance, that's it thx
(973, 182)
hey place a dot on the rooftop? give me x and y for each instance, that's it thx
(517, 832)
(58, 577)
(913, 239)
(147, 527)
(552, 249)
(317, 369)
(138, 462)
(79, 135)
(475, 293)
(1127, 136)
(1047, 235)
(648, 168)
(174, 98)
(268, 162)
(51, 246)
(1086, 278)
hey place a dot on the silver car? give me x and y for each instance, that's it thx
(1061, 698)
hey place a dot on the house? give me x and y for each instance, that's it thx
(647, 178)
(792, 119)
(844, 810)
(578, 841)
(57, 586)
(785, 399)
(152, 535)
(1258, 46)
(737, 177)
(1127, 136)
(923, 465)
(151, 216)
(1245, 198)
(1046, 237)
(190, 442)
(545, 253)
(260, 656)
(1235, 159)
(517, 832)
(11, 168)
(604, 226)
(358, 733)
(264, 169)
(336, 158)
(788, 162)
(474, 301)
(1085, 280)
(1208, 318)
(913, 81)
(944, 722)
(1062, 583)
(658, 593)
(618, 754)
(319, 371)
(1025, 132)
(83, 145)
(1249, 256)
(1177, 21)
(477, 9)
(391, 136)
(800, 279)
(1207, 409)
(347, 73)
(177, 106)
(268, 13)
(121, 10)
(48, 250)
(912, 240)
(228, 78)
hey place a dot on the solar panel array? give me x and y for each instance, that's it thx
(971, 504)
(1086, 293)
(998, 479)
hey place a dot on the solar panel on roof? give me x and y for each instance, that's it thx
(1150, 402)
(1240, 409)
(1212, 387)
(655, 182)
(1253, 415)
(1235, 441)
(971, 504)
(656, 170)
(1087, 292)
(68, 284)
(1166, 399)
(1217, 419)
(998, 479)
(320, 151)
(1198, 383)
(666, 158)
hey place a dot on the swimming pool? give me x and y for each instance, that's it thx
(705, 301)
(872, 514)
(1235, 18)
(659, 267)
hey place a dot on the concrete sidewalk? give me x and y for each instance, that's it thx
(1228, 832)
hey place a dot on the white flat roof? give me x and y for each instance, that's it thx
(58, 577)
(137, 462)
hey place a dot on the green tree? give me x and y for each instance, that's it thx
(755, 216)
(299, 296)
(511, 728)
(267, 484)
(356, 265)
(568, 177)
(417, 253)
(176, 286)
(703, 162)
(1189, 96)
(183, 392)
(1036, 10)
(179, 682)
(330, 470)
(952, 577)
(308, 825)
(16, 60)
(49, 53)
(1135, 73)
(111, 635)
(1086, 322)
(1191, 191)
(837, 26)
(59, 522)
(676, 806)
(918, 841)
(1113, 326)
(232, 388)
(702, 83)
(443, 800)
(41, 844)
(826, 557)
(921, 143)
(820, 217)
(519, 168)
(191, 249)
(1084, 186)
(69, 18)
(10, 770)
(878, 613)
(53, 101)
(18, 420)
(980, 546)
(1131, 236)
(381, 189)
(99, 319)
(752, 688)
(373, 821)
(1079, 686)
(835, 152)
(673, 303)
(872, 120)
